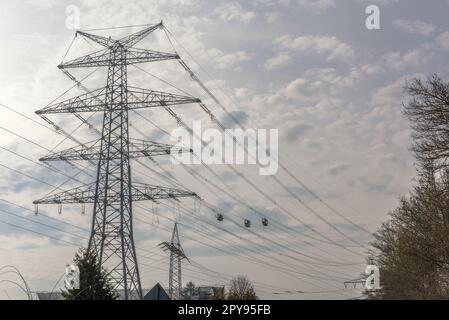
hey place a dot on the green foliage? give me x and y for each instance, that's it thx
(94, 280)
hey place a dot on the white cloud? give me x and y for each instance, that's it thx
(412, 58)
(242, 92)
(323, 82)
(414, 27)
(232, 59)
(280, 59)
(266, 3)
(380, 2)
(272, 16)
(42, 3)
(331, 47)
(318, 84)
(317, 5)
(233, 11)
(294, 88)
(443, 40)
(371, 69)
(21, 241)
(227, 60)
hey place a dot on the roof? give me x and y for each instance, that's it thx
(157, 293)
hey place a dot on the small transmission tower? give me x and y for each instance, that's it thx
(113, 192)
(355, 282)
(176, 256)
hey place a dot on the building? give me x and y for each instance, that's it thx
(206, 293)
(157, 293)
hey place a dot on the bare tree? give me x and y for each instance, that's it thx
(428, 113)
(412, 248)
(241, 289)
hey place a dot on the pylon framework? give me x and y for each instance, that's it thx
(113, 192)
(355, 282)
(176, 256)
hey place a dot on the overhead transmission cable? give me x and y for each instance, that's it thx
(168, 34)
(260, 191)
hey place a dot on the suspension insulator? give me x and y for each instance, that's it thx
(264, 222)
(247, 223)
(219, 217)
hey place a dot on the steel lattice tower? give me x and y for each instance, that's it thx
(176, 256)
(113, 192)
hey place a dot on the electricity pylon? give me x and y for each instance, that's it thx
(113, 193)
(355, 282)
(176, 256)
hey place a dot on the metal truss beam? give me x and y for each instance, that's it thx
(139, 192)
(167, 246)
(91, 151)
(103, 41)
(126, 42)
(138, 98)
(102, 58)
(134, 38)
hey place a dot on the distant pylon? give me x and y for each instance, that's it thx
(176, 256)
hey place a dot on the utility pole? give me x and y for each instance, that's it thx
(112, 193)
(176, 256)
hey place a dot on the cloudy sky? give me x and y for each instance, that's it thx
(309, 68)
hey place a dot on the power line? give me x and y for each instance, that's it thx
(228, 192)
(80, 228)
(52, 185)
(40, 223)
(237, 173)
(239, 124)
(259, 190)
(48, 109)
(136, 112)
(19, 172)
(44, 215)
(266, 264)
(261, 262)
(38, 233)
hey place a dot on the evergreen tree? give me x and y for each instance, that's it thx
(94, 281)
